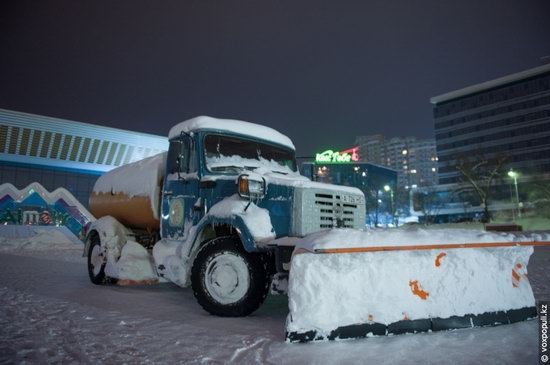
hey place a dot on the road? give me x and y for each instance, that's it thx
(51, 313)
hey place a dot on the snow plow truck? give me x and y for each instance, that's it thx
(226, 212)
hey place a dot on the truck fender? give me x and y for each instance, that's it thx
(234, 222)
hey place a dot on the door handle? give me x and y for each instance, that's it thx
(167, 193)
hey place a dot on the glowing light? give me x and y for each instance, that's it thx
(433, 169)
(404, 152)
(330, 156)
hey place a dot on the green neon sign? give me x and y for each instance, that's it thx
(330, 156)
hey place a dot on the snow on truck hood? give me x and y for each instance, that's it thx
(231, 125)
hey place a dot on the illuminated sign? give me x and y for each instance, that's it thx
(330, 156)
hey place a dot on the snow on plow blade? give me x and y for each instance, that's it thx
(380, 290)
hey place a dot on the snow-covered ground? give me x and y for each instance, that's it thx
(51, 313)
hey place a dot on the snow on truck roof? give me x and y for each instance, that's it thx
(231, 125)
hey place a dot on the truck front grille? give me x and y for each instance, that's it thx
(318, 209)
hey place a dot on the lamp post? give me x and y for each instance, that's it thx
(514, 175)
(387, 188)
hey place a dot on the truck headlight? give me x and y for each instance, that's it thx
(251, 188)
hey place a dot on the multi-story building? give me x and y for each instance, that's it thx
(414, 159)
(506, 118)
(63, 153)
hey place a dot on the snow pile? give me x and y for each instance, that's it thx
(140, 178)
(255, 218)
(39, 239)
(327, 291)
(230, 125)
(47, 242)
(134, 264)
(126, 259)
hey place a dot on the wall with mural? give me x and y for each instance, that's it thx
(34, 205)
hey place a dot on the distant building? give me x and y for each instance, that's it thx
(415, 160)
(63, 153)
(508, 117)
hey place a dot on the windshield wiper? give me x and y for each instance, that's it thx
(227, 167)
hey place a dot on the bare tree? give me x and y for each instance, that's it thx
(430, 202)
(480, 174)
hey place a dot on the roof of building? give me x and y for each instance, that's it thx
(490, 84)
(35, 139)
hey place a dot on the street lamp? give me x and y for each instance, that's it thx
(514, 175)
(387, 188)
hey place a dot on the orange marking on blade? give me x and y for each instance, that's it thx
(417, 290)
(516, 277)
(519, 266)
(438, 259)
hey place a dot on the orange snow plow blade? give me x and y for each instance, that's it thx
(354, 292)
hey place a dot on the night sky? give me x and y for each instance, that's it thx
(321, 72)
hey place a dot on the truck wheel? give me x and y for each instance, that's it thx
(228, 281)
(96, 261)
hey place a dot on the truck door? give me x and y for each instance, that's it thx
(181, 190)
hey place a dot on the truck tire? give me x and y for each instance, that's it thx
(228, 281)
(97, 262)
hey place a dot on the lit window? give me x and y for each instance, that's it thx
(413, 171)
(404, 152)
(433, 169)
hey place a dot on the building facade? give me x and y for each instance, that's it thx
(63, 153)
(415, 160)
(507, 118)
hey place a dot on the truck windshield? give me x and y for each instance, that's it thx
(231, 153)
